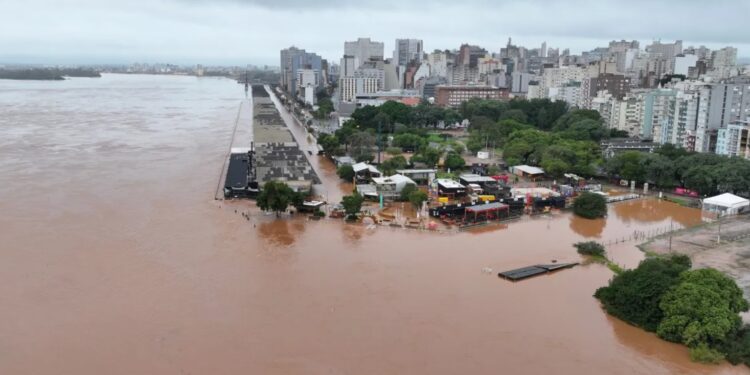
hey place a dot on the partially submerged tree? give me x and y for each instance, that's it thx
(352, 204)
(591, 248)
(345, 172)
(590, 206)
(276, 196)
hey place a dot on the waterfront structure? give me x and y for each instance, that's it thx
(453, 96)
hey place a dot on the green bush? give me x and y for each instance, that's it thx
(590, 248)
(319, 213)
(737, 347)
(703, 354)
(393, 151)
(590, 206)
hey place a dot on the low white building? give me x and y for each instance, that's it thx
(390, 187)
(726, 204)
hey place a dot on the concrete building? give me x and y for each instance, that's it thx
(407, 50)
(734, 140)
(364, 49)
(348, 65)
(438, 61)
(308, 81)
(294, 59)
(453, 96)
(617, 85)
(683, 63)
(665, 52)
(351, 86)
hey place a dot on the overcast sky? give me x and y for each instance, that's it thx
(253, 31)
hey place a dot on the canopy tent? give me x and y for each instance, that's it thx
(726, 204)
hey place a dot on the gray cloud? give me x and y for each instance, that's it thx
(253, 31)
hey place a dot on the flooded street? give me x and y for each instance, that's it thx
(115, 259)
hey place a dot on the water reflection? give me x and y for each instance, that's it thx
(587, 227)
(652, 210)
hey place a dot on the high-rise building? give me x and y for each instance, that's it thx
(363, 50)
(407, 50)
(665, 52)
(543, 51)
(293, 59)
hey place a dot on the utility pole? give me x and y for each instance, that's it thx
(718, 237)
(670, 234)
(380, 124)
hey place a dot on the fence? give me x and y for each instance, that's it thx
(643, 236)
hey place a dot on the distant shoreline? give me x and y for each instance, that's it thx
(39, 74)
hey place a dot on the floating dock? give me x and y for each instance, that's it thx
(531, 271)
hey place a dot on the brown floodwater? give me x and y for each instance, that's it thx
(115, 259)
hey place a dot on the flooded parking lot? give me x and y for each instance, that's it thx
(116, 259)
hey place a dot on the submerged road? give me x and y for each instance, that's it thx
(331, 188)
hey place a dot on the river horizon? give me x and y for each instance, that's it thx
(122, 262)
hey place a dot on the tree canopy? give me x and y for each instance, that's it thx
(277, 196)
(590, 206)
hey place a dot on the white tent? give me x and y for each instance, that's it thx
(726, 204)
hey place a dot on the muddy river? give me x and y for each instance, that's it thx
(115, 259)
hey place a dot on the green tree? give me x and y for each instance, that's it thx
(345, 172)
(417, 197)
(428, 155)
(390, 166)
(352, 204)
(554, 167)
(408, 141)
(407, 190)
(659, 170)
(454, 161)
(702, 309)
(627, 165)
(634, 295)
(276, 196)
(590, 206)
(362, 144)
(331, 144)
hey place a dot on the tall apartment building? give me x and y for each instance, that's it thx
(666, 52)
(308, 81)
(363, 50)
(407, 50)
(293, 59)
(729, 102)
(734, 140)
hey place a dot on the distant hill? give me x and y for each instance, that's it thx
(47, 74)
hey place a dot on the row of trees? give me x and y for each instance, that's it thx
(698, 308)
(669, 166)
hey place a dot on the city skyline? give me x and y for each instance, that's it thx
(238, 32)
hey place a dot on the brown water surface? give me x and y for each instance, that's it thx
(115, 259)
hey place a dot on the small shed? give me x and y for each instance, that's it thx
(726, 204)
(365, 172)
(527, 171)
